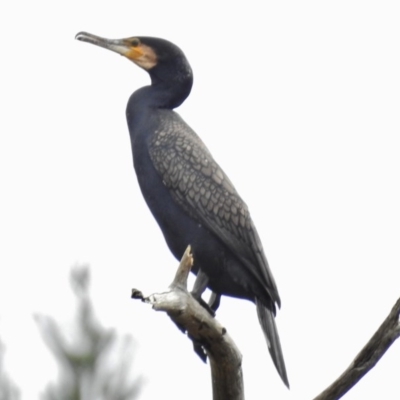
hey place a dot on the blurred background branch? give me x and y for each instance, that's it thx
(94, 363)
(8, 391)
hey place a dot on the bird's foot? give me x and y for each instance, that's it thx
(214, 302)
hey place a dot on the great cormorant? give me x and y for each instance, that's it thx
(191, 198)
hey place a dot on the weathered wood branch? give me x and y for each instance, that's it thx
(204, 330)
(380, 342)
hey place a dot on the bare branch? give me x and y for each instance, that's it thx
(380, 342)
(202, 329)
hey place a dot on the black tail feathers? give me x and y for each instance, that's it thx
(267, 321)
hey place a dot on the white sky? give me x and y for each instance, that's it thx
(298, 102)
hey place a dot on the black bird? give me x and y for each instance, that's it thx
(191, 198)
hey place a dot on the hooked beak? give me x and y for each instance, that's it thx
(119, 46)
(132, 48)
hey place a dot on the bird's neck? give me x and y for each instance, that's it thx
(144, 101)
(161, 95)
(167, 95)
(171, 84)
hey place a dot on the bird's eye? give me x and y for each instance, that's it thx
(135, 42)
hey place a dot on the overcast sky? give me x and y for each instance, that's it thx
(299, 103)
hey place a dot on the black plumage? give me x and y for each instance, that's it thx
(191, 198)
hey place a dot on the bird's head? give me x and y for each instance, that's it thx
(162, 59)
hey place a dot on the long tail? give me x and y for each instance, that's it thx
(267, 321)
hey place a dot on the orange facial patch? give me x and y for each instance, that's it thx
(142, 55)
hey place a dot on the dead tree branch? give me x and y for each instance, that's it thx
(380, 342)
(225, 358)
